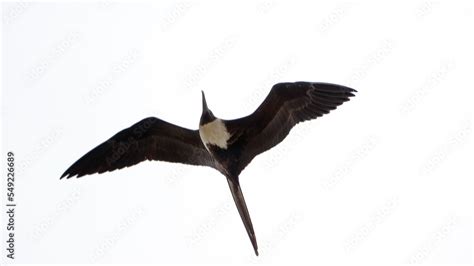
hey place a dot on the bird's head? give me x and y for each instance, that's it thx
(207, 116)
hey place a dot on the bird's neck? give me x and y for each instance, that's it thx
(214, 133)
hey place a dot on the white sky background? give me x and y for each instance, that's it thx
(387, 177)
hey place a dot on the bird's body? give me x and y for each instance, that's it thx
(225, 145)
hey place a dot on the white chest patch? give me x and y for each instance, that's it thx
(214, 133)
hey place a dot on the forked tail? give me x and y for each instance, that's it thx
(243, 211)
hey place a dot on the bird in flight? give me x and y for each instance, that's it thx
(225, 145)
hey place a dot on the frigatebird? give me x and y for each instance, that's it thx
(225, 145)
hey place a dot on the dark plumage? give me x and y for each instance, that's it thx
(225, 145)
(149, 139)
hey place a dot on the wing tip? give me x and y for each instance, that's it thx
(351, 93)
(70, 173)
(66, 175)
(347, 91)
(334, 90)
(325, 86)
(351, 90)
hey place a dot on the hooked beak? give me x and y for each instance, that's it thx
(204, 104)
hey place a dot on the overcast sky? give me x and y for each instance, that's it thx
(384, 178)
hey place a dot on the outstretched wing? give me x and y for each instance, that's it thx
(286, 105)
(149, 139)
